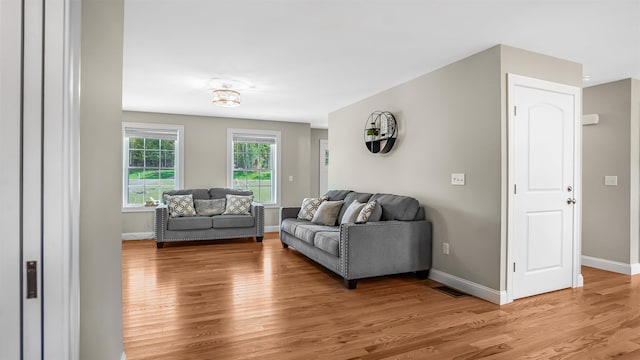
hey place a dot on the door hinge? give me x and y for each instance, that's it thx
(32, 279)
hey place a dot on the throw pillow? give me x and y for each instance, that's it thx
(352, 212)
(181, 205)
(365, 213)
(309, 207)
(327, 213)
(210, 207)
(238, 205)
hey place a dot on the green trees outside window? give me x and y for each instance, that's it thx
(253, 169)
(151, 169)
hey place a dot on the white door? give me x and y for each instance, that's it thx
(21, 94)
(543, 131)
(324, 166)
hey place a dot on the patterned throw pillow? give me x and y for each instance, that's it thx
(352, 212)
(309, 207)
(210, 207)
(238, 205)
(181, 205)
(365, 213)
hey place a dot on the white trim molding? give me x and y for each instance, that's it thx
(609, 265)
(138, 236)
(272, 228)
(124, 356)
(495, 296)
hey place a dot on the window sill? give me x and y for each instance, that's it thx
(133, 209)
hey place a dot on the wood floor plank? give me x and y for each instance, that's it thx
(239, 299)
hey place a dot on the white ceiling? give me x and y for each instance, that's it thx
(308, 58)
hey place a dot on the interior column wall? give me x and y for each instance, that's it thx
(100, 200)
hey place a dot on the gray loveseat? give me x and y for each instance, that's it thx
(396, 239)
(192, 228)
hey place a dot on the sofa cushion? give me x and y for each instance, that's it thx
(351, 197)
(189, 223)
(337, 194)
(397, 207)
(327, 213)
(309, 207)
(181, 205)
(221, 193)
(308, 232)
(328, 241)
(232, 221)
(196, 193)
(289, 225)
(352, 212)
(209, 207)
(238, 205)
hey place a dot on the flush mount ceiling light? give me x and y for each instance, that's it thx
(226, 97)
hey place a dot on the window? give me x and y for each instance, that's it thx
(152, 162)
(254, 163)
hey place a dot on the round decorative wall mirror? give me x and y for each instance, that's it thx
(380, 132)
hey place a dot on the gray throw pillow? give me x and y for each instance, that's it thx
(238, 205)
(365, 213)
(309, 207)
(181, 205)
(210, 207)
(352, 212)
(327, 213)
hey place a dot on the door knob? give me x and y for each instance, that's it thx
(571, 201)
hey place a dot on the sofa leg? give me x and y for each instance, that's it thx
(422, 274)
(259, 238)
(159, 245)
(284, 245)
(350, 284)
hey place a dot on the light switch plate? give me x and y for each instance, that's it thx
(457, 178)
(611, 180)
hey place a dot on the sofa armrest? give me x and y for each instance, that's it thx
(257, 210)
(384, 247)
(290, 212)
(160, 222)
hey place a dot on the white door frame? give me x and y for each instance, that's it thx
(323, 172)
(514, 80)
(11, 179)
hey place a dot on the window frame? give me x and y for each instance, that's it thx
(276, 160)
(178, 165)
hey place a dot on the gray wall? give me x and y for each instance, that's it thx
(316, 136)
(205, 158)
(100, 221)
(607, 151)
(450, 120)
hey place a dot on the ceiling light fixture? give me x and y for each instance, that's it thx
(226, 97)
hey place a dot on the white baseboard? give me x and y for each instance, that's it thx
(123, 357)
(609, 265)
(469, 287)
(272, 228)
(138, 236)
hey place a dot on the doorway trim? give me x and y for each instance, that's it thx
(514, 80)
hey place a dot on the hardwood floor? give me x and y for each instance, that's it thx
(239, 299)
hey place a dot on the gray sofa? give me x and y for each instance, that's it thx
(396, 239)
(193, 228)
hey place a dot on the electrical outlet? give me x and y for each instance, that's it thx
(290, 177)
(611, 180)
(445, 248)
(457, 179)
